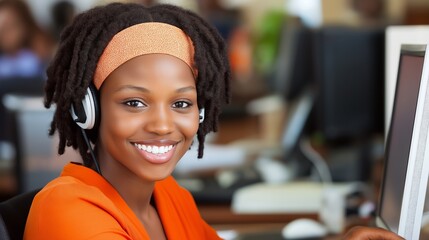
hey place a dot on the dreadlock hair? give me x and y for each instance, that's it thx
(81, 44)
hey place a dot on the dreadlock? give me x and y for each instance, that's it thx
(82, 43)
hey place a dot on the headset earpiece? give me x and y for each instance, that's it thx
(202, 115)
(86, 119)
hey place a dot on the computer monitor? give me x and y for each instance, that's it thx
(404, 184)
(293, 72)
(395, 36)
(349, 76)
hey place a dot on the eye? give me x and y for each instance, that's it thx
(134, 103)
(182, 104)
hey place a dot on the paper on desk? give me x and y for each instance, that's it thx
(215, 157)
(289, 197)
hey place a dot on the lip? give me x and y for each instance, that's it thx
(158, 142)
(158, 157)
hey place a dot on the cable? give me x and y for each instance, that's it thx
(317, 160)
(97, 167)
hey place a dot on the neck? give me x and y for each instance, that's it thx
(136, 192)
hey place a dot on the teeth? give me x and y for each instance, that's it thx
(154, 149)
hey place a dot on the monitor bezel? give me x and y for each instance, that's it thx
(395, 36)
(417, 170)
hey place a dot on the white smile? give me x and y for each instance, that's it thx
(154, 149)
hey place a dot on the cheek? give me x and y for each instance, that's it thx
(188, 125)
(117, 124)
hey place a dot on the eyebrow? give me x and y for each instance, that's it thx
(142, 89)
(185, 89)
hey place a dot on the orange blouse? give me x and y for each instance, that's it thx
(81, 204)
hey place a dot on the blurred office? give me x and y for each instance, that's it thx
(309, 104)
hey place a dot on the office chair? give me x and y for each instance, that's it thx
(3, 231)
(13, 215)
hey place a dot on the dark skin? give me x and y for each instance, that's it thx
(156, 106)
(367, 233)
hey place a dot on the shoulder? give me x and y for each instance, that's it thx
(66, 190)
(67, 202)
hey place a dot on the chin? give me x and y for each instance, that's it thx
(156, 178)
(154, 175)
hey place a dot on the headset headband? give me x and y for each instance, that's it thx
(141, 39)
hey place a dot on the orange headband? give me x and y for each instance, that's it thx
(141, 39)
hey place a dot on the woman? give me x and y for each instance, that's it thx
(155, 72)
(159, 76)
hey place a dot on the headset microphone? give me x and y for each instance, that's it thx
(87, 119)
(94, 159)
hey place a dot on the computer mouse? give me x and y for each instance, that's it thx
(303, 228)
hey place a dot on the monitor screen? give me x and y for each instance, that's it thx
(349, 76)
(400, 137)
(395, 36)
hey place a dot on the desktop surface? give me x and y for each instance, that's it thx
(272, 235)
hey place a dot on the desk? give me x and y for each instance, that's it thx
(222, 215)
(267, 226)
(251, 226)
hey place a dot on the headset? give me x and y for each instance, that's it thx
(88, 117)
(202, 115)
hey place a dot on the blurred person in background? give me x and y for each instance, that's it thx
(368, 13)
(25, 50)
(24, 47)
(63, 13)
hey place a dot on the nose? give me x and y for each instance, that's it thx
(159, 121)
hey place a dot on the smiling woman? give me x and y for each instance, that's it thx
(136, 81)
